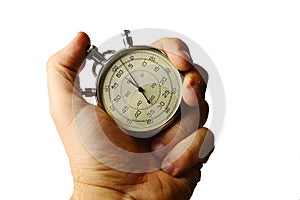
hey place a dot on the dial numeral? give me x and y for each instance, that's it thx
(161, 104)
(139, 103)
(129, 121)
(174, 90)
(115, 85)
(137, 113)
(150, 113)
(153, 85)
(152, 58)
(167, 110)
(125, 108)
(127, 94)
(106, 88)
(151, 99)
(117, 98)
(149, 121)
(119, 74)
(112, 108)
(144, 64)
(115, 68)
(165, 94)
(163, 80)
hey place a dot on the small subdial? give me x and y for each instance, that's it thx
(159, 104)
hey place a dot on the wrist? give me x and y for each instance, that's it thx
(87, 192)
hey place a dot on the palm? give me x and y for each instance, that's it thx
(151, 184)
(160, 185)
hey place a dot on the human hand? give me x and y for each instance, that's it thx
(96, 167)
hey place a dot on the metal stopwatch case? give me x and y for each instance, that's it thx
(137, 86)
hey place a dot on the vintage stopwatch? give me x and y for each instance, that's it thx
(137, 86)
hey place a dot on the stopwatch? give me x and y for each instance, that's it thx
(138, 87)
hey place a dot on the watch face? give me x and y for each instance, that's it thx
(140, 89)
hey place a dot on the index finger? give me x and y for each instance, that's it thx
(177, 51)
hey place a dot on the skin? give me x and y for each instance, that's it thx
(178, 175)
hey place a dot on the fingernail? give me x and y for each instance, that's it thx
(168, 167)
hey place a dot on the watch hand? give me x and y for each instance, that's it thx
(140, 89)
(130, 81)
(129, 74)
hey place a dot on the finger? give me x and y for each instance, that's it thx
(177, 51)
(191, 177)
(62, 69)
(193, 87)
(188, 182)
(195, 77)
(184, 127)
(186, 153)
(71, 56)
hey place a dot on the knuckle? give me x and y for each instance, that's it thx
(180, 44)
(175, 43)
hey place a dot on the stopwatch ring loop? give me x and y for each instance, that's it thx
(94, 69)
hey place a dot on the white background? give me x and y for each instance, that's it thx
(254, 44)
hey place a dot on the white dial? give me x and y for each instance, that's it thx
(140, 89)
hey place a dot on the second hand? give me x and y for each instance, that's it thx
(140, 89)
(129, 73)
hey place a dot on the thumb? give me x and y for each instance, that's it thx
(62, 69)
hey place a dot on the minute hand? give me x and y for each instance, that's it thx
(142, 91)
